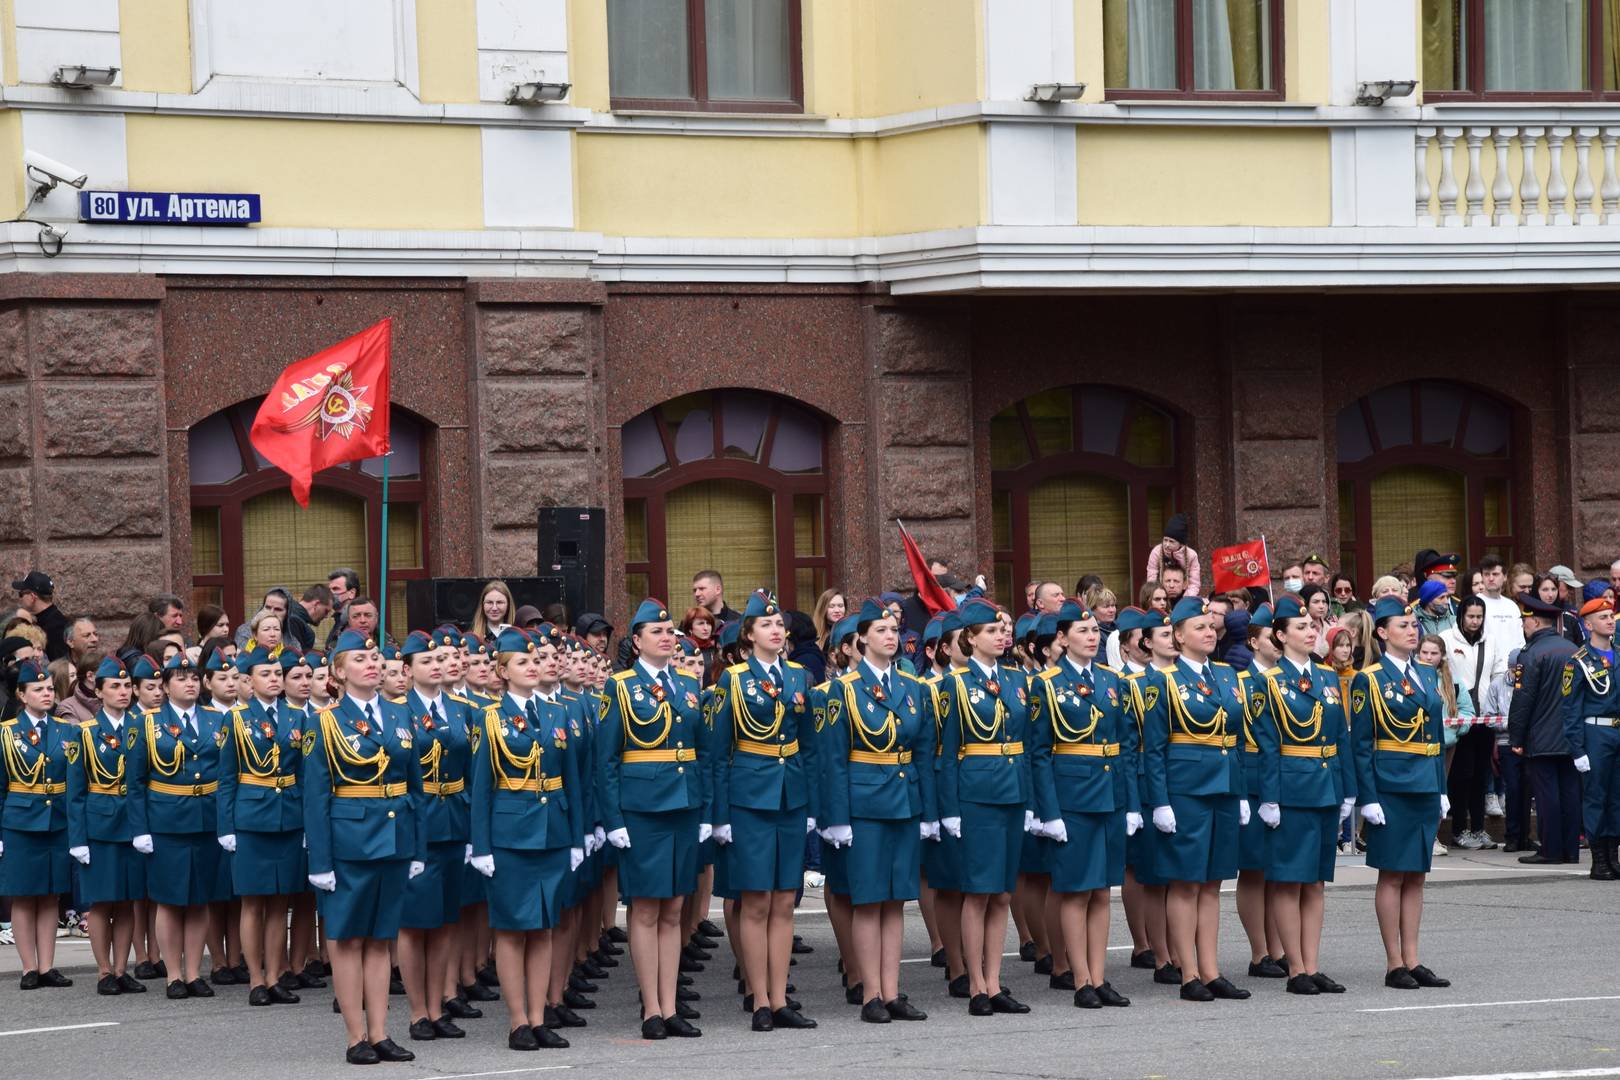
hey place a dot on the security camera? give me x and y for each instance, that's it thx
(49, 171)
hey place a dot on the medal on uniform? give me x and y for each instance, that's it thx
(1304, 684)
(1406, 686)
(657, 691)
(112, 740)
(691, 700)
(219, 738)
(174, 730)
(427, 722)
(877, 691)
(559, 738)
(1084, 690)
(798, 699)
(402, 735)
(33, 737)
(267, 729)
(362, 727)
(1021, 699)
(1203, 687)
(770, 689)
(519, 724)
(993, 686)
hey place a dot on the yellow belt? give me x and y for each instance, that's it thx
(442, 788)
(187, 790)
(997, 749)
(765, 749)
(1181, 738)
(106, 789)
(880, 757)
(1328, 750)
(685, 753)
(277, 782)
(368, 791)
(1251, 747)
(534, 783)
(1087, 749)
(1427, 749)
(41, 789)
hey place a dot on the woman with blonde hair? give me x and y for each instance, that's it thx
(264, 631)
(496, 607)
(830, 608)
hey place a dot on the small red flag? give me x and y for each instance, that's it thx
(929, 590)
(1241, 566)
(327, 409)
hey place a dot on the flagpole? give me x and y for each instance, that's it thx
(382, 593)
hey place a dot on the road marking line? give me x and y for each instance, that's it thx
(504, 1072)
(65, 1027)
(1487, 1004)
(1552, 1074)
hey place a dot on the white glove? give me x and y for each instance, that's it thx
(722, 835)
(930, 830)
(326, 882)
(417, 867)
(589, 844)
(952, 825)
(841, 835)
(809, 826)
(1133, 822)
(466, 858)
(82, 854)
(228, 842)
(1583, 764)
(1445, 805)
(1031, 825)
(705, 830)
(619, 838)
(601, 838)
(2, 850)
(484, 864)
(1373, 814)
(142, 843)
(1055, 830)
(1271, 814)
(576, 857)
(1346, 808)
(1243, 811)
(1164, 819)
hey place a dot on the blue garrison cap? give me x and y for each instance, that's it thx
(1072, 611)
(760, 604)
(247, 661)
(416, 643)
(1389, 607)
(977, 613)
(1288, 606)
(111, 668)
(32, 671)
(650, 611)
(1025, 626)
(351, 641)
(1188, 607)
(1046, 626)
(513, 640)
(844, 629)
(145, 668)
(1261, 616)
(729, 633)
(934, 629)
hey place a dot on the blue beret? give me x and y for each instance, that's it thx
(513, 640)
(1290, 606)
(145, 668)
(977, 613)
(760, 604)
(418, 642)
(111, 668)
(1595, 589)
(351, 641)
(1430, 591)
(180, 662)
(934, 630)
(650, 611)
(844, 629)
(252, 658)
(871, 611)
(1390, 606)
(1261, 616)
(32, 671)
(447, 635)
(1046, 626)
(1188, 607)
(1025, 626)
(1072, 611)
(729, 632)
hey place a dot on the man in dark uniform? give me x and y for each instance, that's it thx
(36, 593)
(1536, 732)
(1592, 726)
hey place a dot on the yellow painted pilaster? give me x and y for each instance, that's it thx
(588, 54)
(447, 49)
(154, 38)
(11, 179)
(1307, 51)
(8, 40)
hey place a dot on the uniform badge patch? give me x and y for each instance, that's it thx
(309, 741)
(219, 737)
(71, 752)
(1358, 700)
(1150, 698)
(834, 706)
(1569, 679)
(1257, 701)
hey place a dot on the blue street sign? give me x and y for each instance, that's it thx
(167, 208)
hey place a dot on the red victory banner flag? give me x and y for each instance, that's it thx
(1241, 566)
(929, 590)
(327, 409)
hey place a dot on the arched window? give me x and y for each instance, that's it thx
(1423, 464)
(248, 535)
(727, 480)
(1083, 479)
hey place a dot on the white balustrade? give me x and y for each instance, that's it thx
(1513, 175)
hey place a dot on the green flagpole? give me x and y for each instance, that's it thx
(382, 595)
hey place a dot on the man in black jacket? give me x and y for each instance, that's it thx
(36, 593)
(306, 613)
(1536, 733)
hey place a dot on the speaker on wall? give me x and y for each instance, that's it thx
(573, 547)
(432, 602)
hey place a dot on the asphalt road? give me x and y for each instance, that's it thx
(1531, 954)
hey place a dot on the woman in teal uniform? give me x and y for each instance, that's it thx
(1083, 757)
(942, 856)
(985, 796)
(147, 674)
(652, 790)
(1396, 724)
(527, 826)
(474, 981)
(880, 801)
(297, 681)
(1256, 910)
(762, 801)
(174, 784)
(1307, 786)
(114, 873)
(260, 810)
(362, 786)
(428, 933)
(1194, 771)
(1143, 894)
(1034, 869)
(35, 867)
(835, 886)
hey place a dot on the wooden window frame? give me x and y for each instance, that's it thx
(1474, 65)
(782, 486)
(697, 57)
(348, 478)
(1474, 470)
(1184, 66)
(1020, 480)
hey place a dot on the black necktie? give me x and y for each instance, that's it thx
(191, 724)
(271, 710)
(533, 713)
(886, 686)
(667, 683)
(371, 717)
(1085, 679)
(438, 717)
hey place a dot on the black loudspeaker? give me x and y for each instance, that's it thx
(573, 547)
(434, 601)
